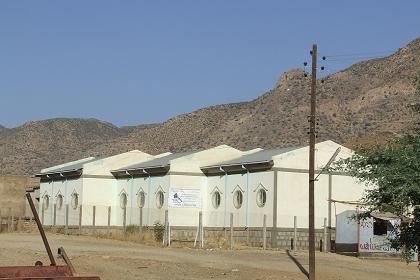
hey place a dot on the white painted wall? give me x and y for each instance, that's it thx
(299, 158)
(292, 199)
(215, 217)
(65, 188)
(102, 190)
(346, 230)
(105, 165)
(187, 216)
(151, 213)
(249, 214)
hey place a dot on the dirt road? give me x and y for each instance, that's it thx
(112, 259)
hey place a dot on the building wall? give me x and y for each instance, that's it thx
(102, 167)
(249, 214)
(98, 192)
(215, 217)
(12, 194)
(292, 199)
(65, 188)
(188, 216)
(104, 191)
(345, 189)
(131, 187)
(346, 232)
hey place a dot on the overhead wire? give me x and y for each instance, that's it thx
(360, 54)
(355, 58)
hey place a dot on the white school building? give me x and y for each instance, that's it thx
(217, 181)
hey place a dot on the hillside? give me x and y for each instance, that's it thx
(369, 98)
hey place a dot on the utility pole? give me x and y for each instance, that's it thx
(312, 135)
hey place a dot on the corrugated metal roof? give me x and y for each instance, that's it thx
(157, 162)
(260, 156)
(74, 166)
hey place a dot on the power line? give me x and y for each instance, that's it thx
(355, 58)
(362, 53)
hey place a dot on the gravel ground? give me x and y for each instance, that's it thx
(111, 259)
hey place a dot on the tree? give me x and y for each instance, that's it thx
(393, 171)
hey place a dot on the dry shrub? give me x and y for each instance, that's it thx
(131, 234)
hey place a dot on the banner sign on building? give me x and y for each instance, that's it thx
(184, 198)
(374, 242)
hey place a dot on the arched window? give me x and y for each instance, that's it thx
(46, 201)
(141, 198)
(59, 202)
(160, 198)
(123, 200)
(237, 199)
(261, 197)
(216, 199)
(74, 201)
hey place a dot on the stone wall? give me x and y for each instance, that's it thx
(253, 236)
(241, 236)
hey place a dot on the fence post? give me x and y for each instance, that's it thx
(124, 218)
(231, 231)
(9, 218)
(141, 223)
(200, 228)
(166, 234)
(94, 219)
(109, 221)
(13, 223)
(295, 233)
(19, 223)
(31, 222)
(55, 215)
(325, 236)
(169, 235)
(80, 219)
(265, 232)
(66, 229)
(42, 213)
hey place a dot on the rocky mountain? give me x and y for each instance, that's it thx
(368, 99)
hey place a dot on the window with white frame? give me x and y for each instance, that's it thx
(261, 197)
(216, 198)
(160, 198)
(59, 202)
(141, 198)
(46, 201)
(238, 199)
(123, 200)
(74, 201)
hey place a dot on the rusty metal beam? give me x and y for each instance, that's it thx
(61, 272)
(41, 230)
(66, 259)
(34, 271)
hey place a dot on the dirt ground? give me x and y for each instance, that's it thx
(111, 259)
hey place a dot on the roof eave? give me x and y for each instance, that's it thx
(236, 167)
(60, 174)
(143, 171)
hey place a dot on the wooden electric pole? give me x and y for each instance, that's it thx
(312, 135)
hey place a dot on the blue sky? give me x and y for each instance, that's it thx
(133, 62)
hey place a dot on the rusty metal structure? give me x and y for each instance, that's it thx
(39, 271)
